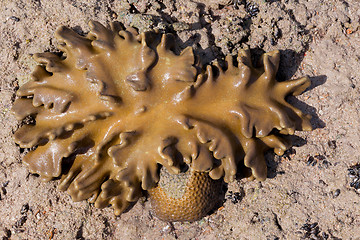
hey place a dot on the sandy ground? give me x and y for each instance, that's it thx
(310, 193)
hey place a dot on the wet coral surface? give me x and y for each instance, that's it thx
(310, 191)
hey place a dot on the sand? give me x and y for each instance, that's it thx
(307, 194)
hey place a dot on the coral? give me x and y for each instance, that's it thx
(187, 196)
(117, 106)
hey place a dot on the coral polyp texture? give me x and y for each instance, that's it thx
(116, 108)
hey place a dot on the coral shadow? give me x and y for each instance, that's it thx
(316, 122)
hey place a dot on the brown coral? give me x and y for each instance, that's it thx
(118, 105)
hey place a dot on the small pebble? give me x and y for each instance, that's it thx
(168, 228)
(332, 144)
(5, 183)
(310, 160)
(336, 193)
(24, 208)
(15, 19)
(234, 197)
(20, 222)
(312, 231)
(252, 9)
(322, 182)
(354, 176)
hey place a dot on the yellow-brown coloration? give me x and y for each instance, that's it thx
(118, 105)
(186, 196)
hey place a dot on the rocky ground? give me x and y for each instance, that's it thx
(312, 191)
